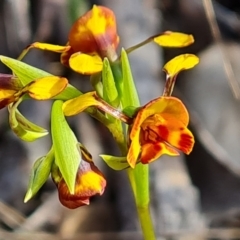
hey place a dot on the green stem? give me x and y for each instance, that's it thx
(169, 86)
(146, 223)
(146, 41)
(131, 49)
(139, 180)
(139, 176)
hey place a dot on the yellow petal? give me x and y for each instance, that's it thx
(91, 181)
(46, 87)
(134, 149)
(50, 47)
(85, 64)
(180, 63)
(171, 106)
(79, 104)
(100, 19)
(174, 39)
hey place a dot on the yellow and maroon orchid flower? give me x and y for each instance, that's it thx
(89, 182)
(12, 93)
(11, 90)
(92, 37)
(160, 127)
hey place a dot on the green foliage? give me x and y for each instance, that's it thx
(65, 144)
(27, 73)
(130, 92)
(110, 93)
(39, 175)
(23, 128)
(116, 163)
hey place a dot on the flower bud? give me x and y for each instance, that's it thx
(89, 182)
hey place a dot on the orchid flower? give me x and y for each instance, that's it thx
(94, 37)
(11, 89)
(160, 127)
(89, 182)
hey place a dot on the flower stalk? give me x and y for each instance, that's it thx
(138, 176)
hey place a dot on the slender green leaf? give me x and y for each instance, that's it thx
(140, 174)
(130, 97)
(67, 155)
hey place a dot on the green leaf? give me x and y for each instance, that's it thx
(116, 163)
(27, 74)
(22, 127)
(110, 93)
(130, 97)
(67, 155)
(39, 175)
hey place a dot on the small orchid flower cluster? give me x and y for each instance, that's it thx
(143, 133)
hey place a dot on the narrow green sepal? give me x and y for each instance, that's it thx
(118, 77)
(130, 97)
(39, 175)
(22, 127)
(110, 93)
(67, 155)
(27, 74)
(116, 163)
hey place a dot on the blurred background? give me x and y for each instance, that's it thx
(193, 197)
